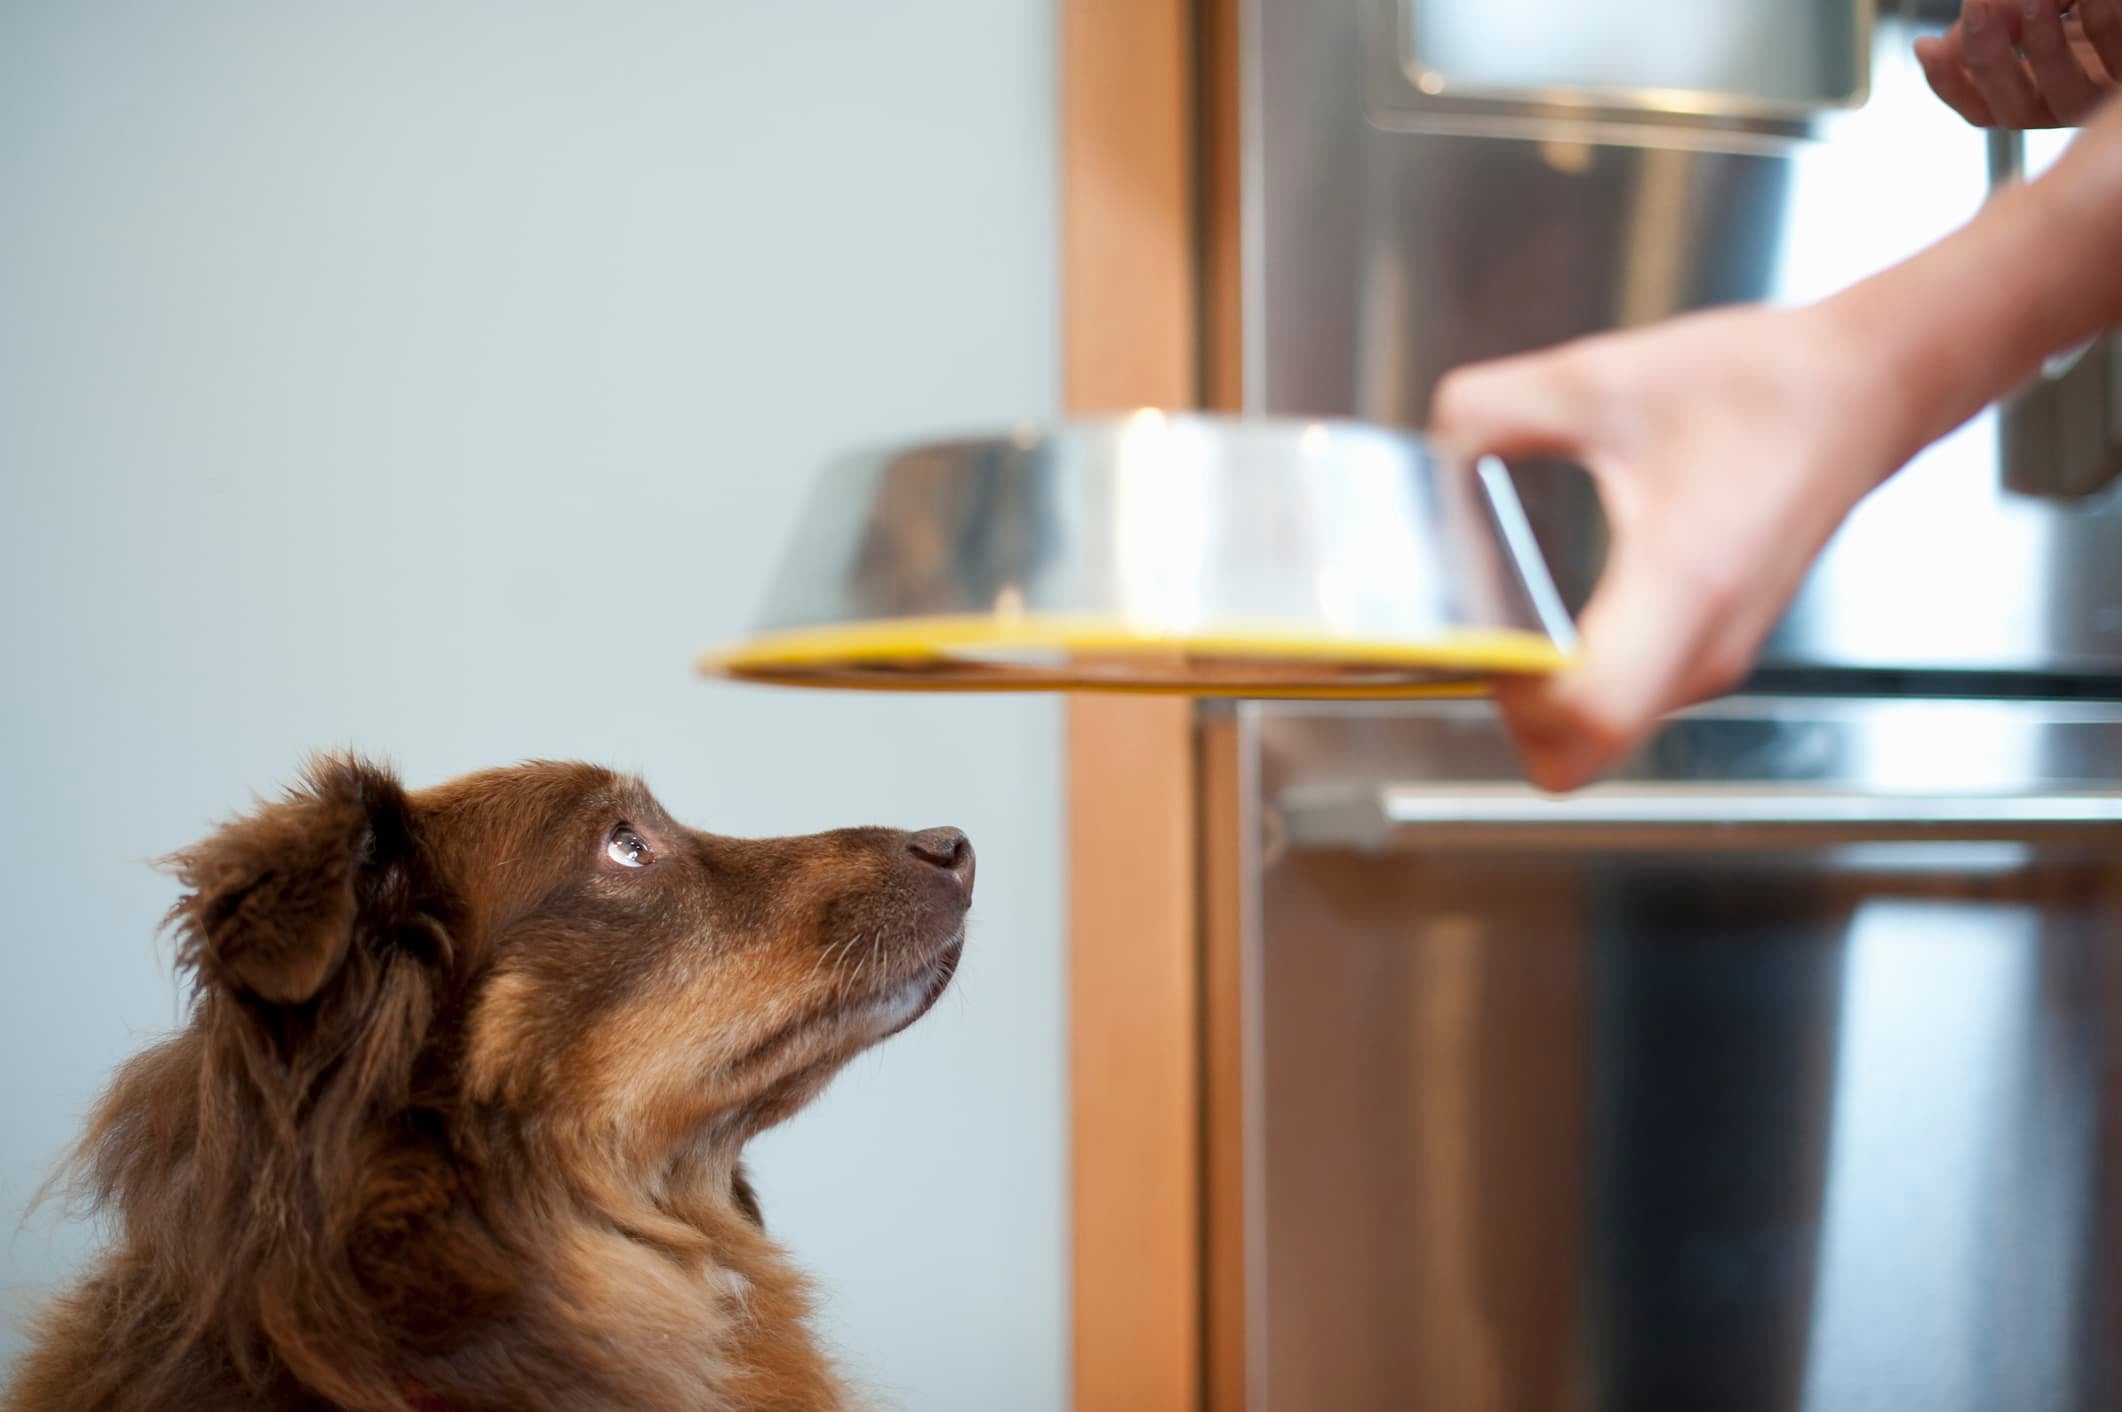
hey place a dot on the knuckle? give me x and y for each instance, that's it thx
(1723, 668)
(1606, 732)
(1712, 581)
(1974, 110)
(1454, 397)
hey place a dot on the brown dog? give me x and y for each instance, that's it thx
(456, 1119)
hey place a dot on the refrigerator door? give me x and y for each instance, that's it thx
(1783, 1073)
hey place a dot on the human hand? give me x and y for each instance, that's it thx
(2026, 63)
(1727, 448)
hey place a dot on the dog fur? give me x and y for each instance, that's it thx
(456, 1119)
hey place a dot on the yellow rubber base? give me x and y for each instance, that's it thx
(973, 652)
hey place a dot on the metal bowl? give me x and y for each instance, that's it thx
(1203, 555)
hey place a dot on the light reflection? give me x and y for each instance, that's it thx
(1759, 49)
(1929, 1132)
(1950, 860)
(1161, 539)
(1914, 748)
(1336, 598)
(1568, 158)
(1367, 502)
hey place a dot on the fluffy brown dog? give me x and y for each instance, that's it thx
(456, 1119)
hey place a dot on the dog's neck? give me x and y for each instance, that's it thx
(730, 1330)
(680, 1269)
(652, 1291)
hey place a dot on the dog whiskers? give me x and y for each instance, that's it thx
(876, 947)
(846, 949)
(819, 964)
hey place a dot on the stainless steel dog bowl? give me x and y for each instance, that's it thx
(1194, 554)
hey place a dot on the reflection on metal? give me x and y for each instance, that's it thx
(1758, 60)
(1216, 554)
(1654, 270)
(1563, 1118)
(2060, 437)
(1683, 818)
(1741, 775)
(1961, 1127)
(1899, 752)
(1784, 1072)
(1521, 547)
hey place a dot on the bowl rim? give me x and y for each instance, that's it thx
(916, 654)
(1028, 433)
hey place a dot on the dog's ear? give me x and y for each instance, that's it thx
(273, 900)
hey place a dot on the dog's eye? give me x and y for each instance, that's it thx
(628, 849)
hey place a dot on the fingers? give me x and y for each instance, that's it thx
(1540, 404)
(1643, 639)
(2101, 23)
(2065, 87)
(1948, 78)
(1989, 33)
(2021, 64)
(1555, 745)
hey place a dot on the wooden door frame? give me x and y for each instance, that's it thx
(1150, 319)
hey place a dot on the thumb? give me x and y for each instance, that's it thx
(1641, 637)
(1534, 405)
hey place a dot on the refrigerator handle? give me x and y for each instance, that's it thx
(1461, 817)
(2060, 437)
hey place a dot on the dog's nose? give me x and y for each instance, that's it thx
(948, 849)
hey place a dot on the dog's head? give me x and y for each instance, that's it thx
(545, 943)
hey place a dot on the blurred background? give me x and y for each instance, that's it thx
(437, 381)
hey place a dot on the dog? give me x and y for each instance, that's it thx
(457, 1116)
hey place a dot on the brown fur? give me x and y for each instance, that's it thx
(456, 1118)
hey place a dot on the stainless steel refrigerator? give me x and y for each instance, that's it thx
(1785, 1070)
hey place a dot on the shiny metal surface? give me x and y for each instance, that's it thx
(1688, 819)
(1743, 774)
(1761, 63)
(1899, 753)
(1386, 243)
(1785, 1071)
(1204, 553)
(2061, 436)
(1567, 1119)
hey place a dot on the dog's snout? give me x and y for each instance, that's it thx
(948, 849)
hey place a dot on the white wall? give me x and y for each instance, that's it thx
(436, 379)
